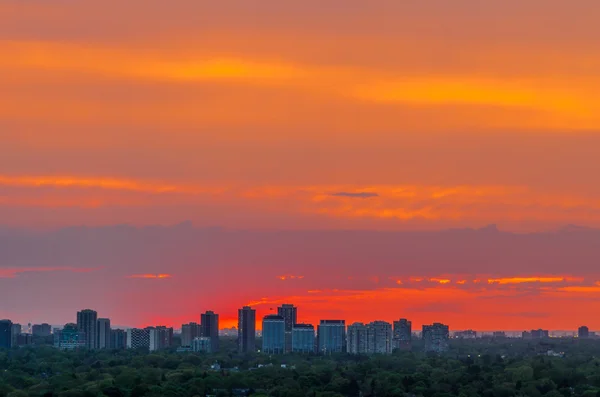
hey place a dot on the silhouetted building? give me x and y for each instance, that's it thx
(303, 338)
(290, 314)
(583, 332)
(402, 334)
(210, 329)
(379, 337)
(70, 338)
(87, 323)
(5, 334)
(161, 338)
(103, 333)
(357, 338)
(372, 338)
(41, 330)
(499, 334)
(539, 333)
(247, 330)
(331, 335)
(189, 332)
(14, 333)
(118, 339)
(138, 338)
(24, 340)
(468, 334)
(202, 344)
(436, 337)
(273, 334)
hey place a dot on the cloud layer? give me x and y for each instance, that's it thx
(357, 275)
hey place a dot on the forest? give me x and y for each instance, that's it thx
(482, 367)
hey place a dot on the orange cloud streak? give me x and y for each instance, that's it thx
(520, 280)
(11, 272)
(150, 276)
(548, 102)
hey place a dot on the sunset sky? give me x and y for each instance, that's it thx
(159, 159)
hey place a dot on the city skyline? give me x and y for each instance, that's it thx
(331, 336)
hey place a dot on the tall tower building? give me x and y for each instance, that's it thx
(402, 334)
(118, 339)
(210, 329)
(379, 337)
(5, 334)
(15, 332)
(42, 330)
(87, 323)
(189, 332)
(247, 330)
(373, 338)
(303, 338)
(138, 338)
(70, 338)
(103, 333)
(436, 337)
(290, 315)
(331, 335)
(273, 334)
(357, 338)
(583, 332)
(160, 337)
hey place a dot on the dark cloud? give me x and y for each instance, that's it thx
(355, 195)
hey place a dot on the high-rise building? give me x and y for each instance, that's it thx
(247, 330)
(5, 334)
(539, 333)
(357, 338)
(210, 329)
(118, 339)
(87, 323)
(24, 339)
(583, 332)
(70, 338)
(161, 338)
(379, 337)
(468, 334)
(290, 315)
(138, 338)
(331, 335)
(14, 333)
(41, 330)
(202, 344)
(436, 337)
(373, 338)
(103, 333)
(303, 338)
(273, 334)
(402, 334)
(189, 332)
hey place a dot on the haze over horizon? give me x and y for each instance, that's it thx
(343, 156)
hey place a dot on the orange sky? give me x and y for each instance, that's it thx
(350, 115)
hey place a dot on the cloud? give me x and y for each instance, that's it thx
(98, 182)
(290, 277)
(521, 280)
(150, 276)
(355, 195)
(12, 272)
(371, 207)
